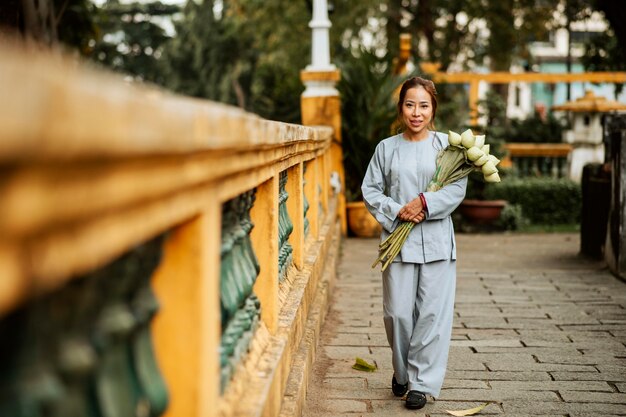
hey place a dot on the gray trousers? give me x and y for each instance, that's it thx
(418, 306)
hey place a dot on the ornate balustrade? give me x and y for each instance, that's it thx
(538, 159)
(159, 255)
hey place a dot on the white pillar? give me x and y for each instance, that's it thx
(320, 53)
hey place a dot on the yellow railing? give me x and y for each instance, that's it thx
(537, 159)
(92, 166)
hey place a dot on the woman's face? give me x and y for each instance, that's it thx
(417, 111)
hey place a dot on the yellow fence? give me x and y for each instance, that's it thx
(92, 166)
(537, 159)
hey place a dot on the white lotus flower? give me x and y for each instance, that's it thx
(474, 153)
(489, 168)
(481, 161)
(480, 141)
(467, 139)
(493, 159)
(454, 138)
(492, 178)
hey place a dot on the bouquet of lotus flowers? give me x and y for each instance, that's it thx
(464, 154)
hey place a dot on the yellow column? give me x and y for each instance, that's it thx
(295, 208)
(326, 110)
(264, 236)
(324, 179)
(473, 101)
(186, 329)
(312, 195)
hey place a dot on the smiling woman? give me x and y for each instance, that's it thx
(418, 286)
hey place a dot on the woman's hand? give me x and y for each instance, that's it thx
(412, 211)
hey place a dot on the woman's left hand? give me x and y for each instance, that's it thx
(412, 211)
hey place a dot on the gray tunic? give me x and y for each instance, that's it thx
(398, 171)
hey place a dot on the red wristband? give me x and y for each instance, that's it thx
(424, 205)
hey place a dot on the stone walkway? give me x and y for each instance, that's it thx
(538, 331)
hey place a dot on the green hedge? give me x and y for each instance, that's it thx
(543, 200)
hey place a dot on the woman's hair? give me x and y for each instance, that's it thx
(429, 86)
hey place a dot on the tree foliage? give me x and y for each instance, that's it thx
(129, 38)
(368, 111)
(250, 52)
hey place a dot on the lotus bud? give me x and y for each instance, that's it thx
(474, 153)
(481, 161)
(485, 149)
(467, 139)
(480, 141)
(493, 159)
(492, 178)
(489, 168)
(454, 138)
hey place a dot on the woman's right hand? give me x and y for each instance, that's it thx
(418, 218)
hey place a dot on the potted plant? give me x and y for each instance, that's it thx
(368, 113)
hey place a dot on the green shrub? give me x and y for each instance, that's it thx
(512, 218)
(542, 200)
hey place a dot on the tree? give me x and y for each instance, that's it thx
(211, 56)
(250, 53)
(129, 40)
(50, 22)
(615, 13)
(573, 11)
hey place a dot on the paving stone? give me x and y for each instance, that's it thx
(543, 324)
(341, 383)
(348, 339)
(592, 359)
(594, 397)
(551, 386)
(464, 383)
(338, 406)
(589, 376)
(499, 375)
(509, 415)
(359, 394)
(585, 414)
(591, 327)
(503, 344)
(554, 408)
(358, 329)
(611, 368)
(346, 352)
(393, 408)
(486, 323)
(487, 334)
(497, 395)
(397, 408)
(378, 339)
(565, 349)
(524, 312)
(345, 323)
(547, 367)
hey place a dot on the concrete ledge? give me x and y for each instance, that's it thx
(297, 383)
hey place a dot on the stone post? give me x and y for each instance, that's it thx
(615, 248)
(320, 102)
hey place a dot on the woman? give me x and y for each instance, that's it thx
(419, 285)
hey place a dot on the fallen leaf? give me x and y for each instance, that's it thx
(361, 365)
(468, 412)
